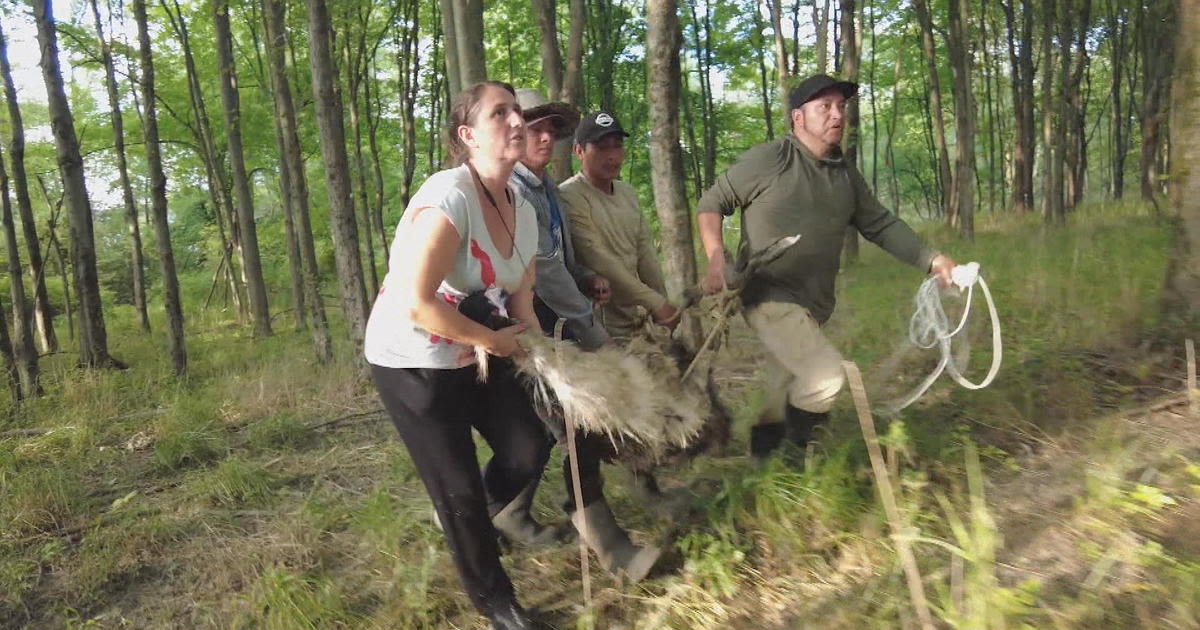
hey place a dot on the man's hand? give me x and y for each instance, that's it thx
(599, 290)
(940, 268)
(714, 280)
(667, 315)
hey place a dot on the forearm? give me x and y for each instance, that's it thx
(436, 317)
(709, 224)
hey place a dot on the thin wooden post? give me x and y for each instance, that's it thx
(577, 489)
(915, 587)
(1193, 392)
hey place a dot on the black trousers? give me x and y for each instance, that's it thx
(592, 448)
(434, 411)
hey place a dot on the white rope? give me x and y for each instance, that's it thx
(930, 327)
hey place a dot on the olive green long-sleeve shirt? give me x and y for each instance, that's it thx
(611, 238)
(783, 190)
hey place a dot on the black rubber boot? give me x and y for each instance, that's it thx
(618, 555)
(801, 424)
(765, 438)
(517, 525)
(513, 617)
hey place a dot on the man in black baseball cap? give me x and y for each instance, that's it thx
(801, 185)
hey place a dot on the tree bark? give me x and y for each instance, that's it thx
(137, 264)
(93, 338)
(764, 86)
(552, 63)
(20, 348)
(293, 163)
(354, 76)
(964, 121)
(782, 69)
(42, 311)
(821, 26)
(10, 367)
(158, 195)
(663, 39)
(408, 61)
(328, 102)
(1118, 38)
(1049, 185)
(468, 29)
(454, 78)
(1056, 191)
(935, 107)
(1156, 57)
(1182, 295)
(1076, 109)
(851, 139)
(256, 286)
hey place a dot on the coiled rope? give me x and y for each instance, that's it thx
(929, 327)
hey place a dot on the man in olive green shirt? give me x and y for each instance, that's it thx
(800, 184)
(608, 231)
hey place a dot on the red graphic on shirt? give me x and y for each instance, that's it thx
(487, 273)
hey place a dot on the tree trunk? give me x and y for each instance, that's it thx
(782, 69)
(1049, 187)
(214, 170)
(292, 158)
(256, 287)
(1075, 123)
(1118, 30)
(1156, 46)
(42, 312)
(158, 196)
(935, 107)
(821, 26)
(137, 264)
(573, 78)
(20, 349)
(851, 139)
(1182, 295)
(663, 39)
(354, 76)
(764, 85)
(468, 30)
(1055, 193)
(964, 120)
(889, 151)
(93, 338)
(10, 360)
(372, 108)
(408, 61)
(328, 102)
(450, 47)
(1021, 192)
(552, 63)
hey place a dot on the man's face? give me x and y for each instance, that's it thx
(822, 119)
(602, 159)
(539, 143)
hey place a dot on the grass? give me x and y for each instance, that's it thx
(1036, 503)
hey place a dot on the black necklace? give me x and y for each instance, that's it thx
(492, 200)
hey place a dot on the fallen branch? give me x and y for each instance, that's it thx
(352, 418)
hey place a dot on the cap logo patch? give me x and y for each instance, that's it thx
(604, 120)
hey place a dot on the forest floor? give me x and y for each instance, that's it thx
(268, 492)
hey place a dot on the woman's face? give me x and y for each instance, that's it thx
(498, 130)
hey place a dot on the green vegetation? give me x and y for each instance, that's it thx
(221, 501)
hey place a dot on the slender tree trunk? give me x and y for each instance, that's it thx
(989, 107)
(573, 78)
(333, 151)
(353, 81)
(1118, 29)
(1056, 192)
(870, 7)
(292, 157)
(454, 77)
(935, 106)
(20, 349)
(821, 26)
(782, 74)
(1156, 38)
(1075, 126)
(408, 60)
(851, 139)
(256, 287)
(468, 21)
(1049, 187)
(552, 63)
(10, 360)
(138, 266)
(372, 107)
(93, 338)
(764, 85)
(964, 120)
(158, 195)
(663, 39)
(689, 127)
(42, 312)
(889, 150)
(1182, 295)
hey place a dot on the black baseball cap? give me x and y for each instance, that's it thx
(814, 85)
(595, 126)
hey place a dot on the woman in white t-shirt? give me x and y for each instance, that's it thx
(465, 232)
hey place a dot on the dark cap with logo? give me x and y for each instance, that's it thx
(814, 85)
(595, 126)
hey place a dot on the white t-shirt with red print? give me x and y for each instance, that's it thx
(393, 340)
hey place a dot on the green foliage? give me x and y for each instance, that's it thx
(234, 482)
(190, 435)
(283, 600)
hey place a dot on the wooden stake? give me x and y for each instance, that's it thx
(577, 489)
(883, 482)
(1193, 392)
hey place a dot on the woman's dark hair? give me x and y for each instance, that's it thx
(463, 110)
